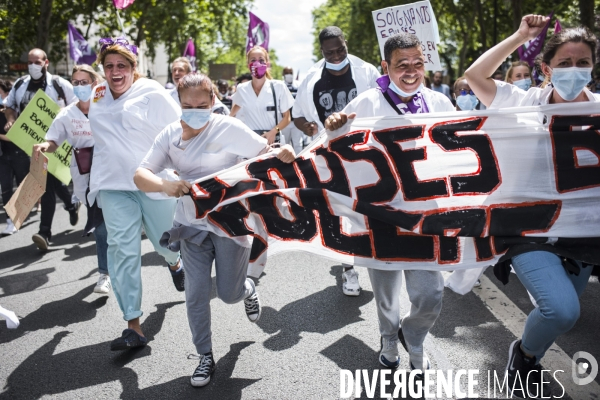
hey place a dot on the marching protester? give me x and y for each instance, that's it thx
(440, 87)
(400, 92)
(291, 133)
(14, 162)
(519, 74)
(126, 114)
(224, 92)
(180, 67)
(330, 85)
(265, 102)
(201, 144)
(465, 98)
(549, 272)
(19, 97)
(72, 125)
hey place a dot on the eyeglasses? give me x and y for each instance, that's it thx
(464, 92)
(83, 82)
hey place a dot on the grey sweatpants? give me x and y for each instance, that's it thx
(424, 289)
(231, 263)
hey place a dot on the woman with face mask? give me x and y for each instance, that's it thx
(567, 61)
(519, 74)
(265, 103)
(73, 126)
(465, 98)
(127, 112)
(200, 145)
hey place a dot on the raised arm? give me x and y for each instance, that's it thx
(479, 73)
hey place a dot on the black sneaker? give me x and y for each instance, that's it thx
(178, 277)
(74, 213)
(41, 240)
(204, 370)
(252, 304)
(521, 382)
(129, 340)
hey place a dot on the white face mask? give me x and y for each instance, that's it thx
(288, 78)
(35, 71)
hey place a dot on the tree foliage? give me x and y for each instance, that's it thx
(218, 27)
(467, 27)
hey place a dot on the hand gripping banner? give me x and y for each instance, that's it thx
(432, 191)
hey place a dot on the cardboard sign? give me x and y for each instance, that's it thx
(417, 18)
(31, 127)
(28, 192)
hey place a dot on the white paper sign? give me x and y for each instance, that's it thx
(417, 18)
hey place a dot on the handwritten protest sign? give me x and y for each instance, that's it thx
(28, 192)
(417, 18)
(31, 127)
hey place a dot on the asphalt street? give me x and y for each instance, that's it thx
(308, 332)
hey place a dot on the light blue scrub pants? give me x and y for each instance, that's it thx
(124, 213)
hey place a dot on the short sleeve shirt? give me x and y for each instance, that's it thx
(258, 112)
(332, 93)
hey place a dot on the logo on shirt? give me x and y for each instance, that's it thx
(99, 93)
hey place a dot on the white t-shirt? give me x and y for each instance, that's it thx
(73, 126)
(124, 130)
(13, 100)
(221, 145)
(372, 104)
(508, 95)
(364, 76)
(259, 113)
(217, 108)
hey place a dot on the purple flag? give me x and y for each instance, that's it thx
(190, 53)
(121, 4)
(557, 27)
(81, 51)
(258, 33)
(531, 49)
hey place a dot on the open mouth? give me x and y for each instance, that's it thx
(409, 81)
(117, 79)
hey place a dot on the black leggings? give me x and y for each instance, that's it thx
(54, 187)
(13, 165)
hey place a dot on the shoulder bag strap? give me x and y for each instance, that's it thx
(274, 102)
(391, 103)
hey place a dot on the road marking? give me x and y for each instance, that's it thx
(513, 319)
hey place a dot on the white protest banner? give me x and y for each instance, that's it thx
(417, 18)
(441, 191)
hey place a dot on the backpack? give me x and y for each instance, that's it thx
(55, 84)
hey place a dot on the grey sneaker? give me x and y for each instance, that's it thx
(252, 304)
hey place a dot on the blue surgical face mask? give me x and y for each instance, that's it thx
(196, 118)
(570, 82)
(466, 102)
(337, 67)
(82, 92)
(523, 84)
(401, 92)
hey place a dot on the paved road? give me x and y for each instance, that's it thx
(307, 333)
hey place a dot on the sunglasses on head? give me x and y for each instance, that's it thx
(464, 92)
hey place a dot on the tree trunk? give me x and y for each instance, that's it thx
(517, 13)
(586, 13)
(481, 20)
(43, 28)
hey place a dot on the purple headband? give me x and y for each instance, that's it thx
(120, 41)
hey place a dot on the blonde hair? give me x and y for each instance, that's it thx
(122, 51)
(89, 70)
(514, 65)
(266, 53)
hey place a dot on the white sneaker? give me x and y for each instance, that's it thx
(350, 285)
(103, 286)
(388, 356)
(10, 228)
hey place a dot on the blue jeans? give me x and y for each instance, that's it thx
(557, 295)
(101, 236)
